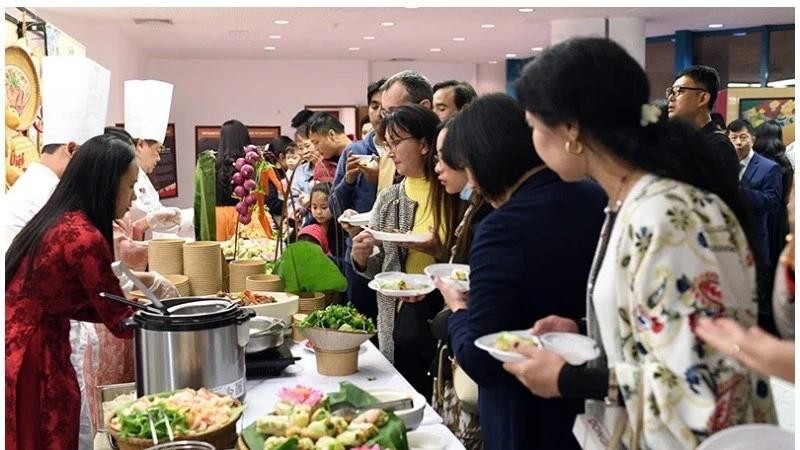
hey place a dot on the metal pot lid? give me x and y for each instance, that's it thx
(201, 308)
(193, 313)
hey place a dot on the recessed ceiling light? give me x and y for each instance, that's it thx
(511, 55)
(492, 62)
(281, 22)
(715, 25)
(536, 49)
(274, 36)
(487, 25)
(387, 24)
(459, 39)
(369, 38)
(269, 47)
(354, 49)
(436, 49)
(525, 10)
(740, 34)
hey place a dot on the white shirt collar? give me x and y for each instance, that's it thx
(744, 163)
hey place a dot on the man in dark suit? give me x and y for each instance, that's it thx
(691, 99)
(762, 185)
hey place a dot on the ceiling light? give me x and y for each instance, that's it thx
(511, 55)
(354, 49)
(459, 39)
(487, 25)
(715, 25)
(525, 10)
(269, 47)
(492, 62)
(740, 34)
(436, 49)
(281, 22)
(274, 36)
(782, 83)
(369, 38)
(387, 24)
(537, 49)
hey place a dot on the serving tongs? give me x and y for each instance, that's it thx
(133, 303)
(153, 426)
(123, 273)
(349, 412)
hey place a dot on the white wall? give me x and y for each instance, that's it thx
(256, 92)
(109, 48)
(491, 78)
(432, 70)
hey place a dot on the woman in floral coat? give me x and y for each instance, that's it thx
(674, 249)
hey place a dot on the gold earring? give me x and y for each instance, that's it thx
(573, 151)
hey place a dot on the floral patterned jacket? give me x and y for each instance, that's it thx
(676, 254)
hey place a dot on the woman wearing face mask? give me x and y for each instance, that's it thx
(55, 269)
(421, 205)
(674, 249)
(453, 176)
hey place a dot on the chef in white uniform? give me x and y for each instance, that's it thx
(75, 94)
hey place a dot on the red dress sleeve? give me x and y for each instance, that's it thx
(90, 256)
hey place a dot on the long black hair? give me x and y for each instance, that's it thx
(491, 138)
(233, 138)
(333, 229)
(421, 123)
(90, 184)
(769, 143)
(596, 83)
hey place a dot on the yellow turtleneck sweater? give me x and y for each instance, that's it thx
(417, 190)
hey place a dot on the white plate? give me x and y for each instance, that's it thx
(310, 349)
(422, 440)
(756, 436)
(413, 280)
(398, 237)
(357, 220)
(486, 343)
(575, 348)
(444, 271)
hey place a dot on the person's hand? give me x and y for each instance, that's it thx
(305, 200)
(363, 244)
(163, 288)
(163, 219)
(370, 171)
(453, 298)
(754, 347)
(539, 372)
(432, 246)
(351, 170)
(352, 230)
(554, 323)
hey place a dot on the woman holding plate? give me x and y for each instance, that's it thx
(418, 205)
(530, 257)
(674, 250)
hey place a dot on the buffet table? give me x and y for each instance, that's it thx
(374, 373)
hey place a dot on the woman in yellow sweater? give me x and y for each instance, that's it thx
(419, 204)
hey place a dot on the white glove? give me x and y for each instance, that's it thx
(162, 288)
(164, 219)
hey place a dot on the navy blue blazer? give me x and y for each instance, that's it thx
(762, 185)
(530, 258)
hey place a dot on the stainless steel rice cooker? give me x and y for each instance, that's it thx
(199, 343)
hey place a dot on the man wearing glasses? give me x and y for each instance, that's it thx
(691, 98)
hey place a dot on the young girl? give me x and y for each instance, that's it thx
(324, 230)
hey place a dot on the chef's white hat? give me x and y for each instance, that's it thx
(147, 104)
(74, 99)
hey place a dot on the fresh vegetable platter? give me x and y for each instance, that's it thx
(340, 318)
(302, 420)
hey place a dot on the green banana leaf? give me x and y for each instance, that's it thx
(304, 268)
(391, 436)
(205, 197)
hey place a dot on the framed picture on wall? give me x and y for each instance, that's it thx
(206, 137)
(165, 176)
(758, 105)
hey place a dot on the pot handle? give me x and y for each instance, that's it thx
(244, 315)
(129, 324)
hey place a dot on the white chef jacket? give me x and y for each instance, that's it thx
(26, 197)
(147, 199)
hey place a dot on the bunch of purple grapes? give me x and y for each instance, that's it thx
(244, 183)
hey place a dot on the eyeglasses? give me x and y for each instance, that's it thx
(393, 145)
(677, 90)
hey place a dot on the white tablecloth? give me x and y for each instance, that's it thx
(374, 373)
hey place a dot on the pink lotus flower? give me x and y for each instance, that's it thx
(300, 395)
